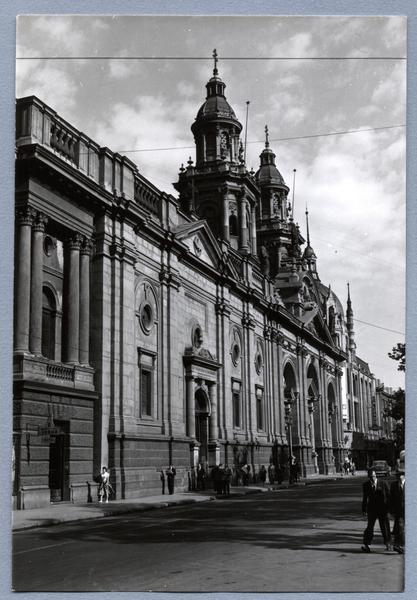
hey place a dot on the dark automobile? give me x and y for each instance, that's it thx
(381, 468)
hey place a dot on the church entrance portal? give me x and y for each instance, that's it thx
(201, 424)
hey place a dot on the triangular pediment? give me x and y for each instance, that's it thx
(318, 326)
(200, 242)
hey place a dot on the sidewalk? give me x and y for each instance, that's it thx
(66, 512)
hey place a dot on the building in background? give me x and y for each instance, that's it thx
(154, 330)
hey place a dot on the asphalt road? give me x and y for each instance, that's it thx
(305, 539)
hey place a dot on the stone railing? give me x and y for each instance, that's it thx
(60, 372)
(236, 261)
(257, 279)
(148, 197)
(36, 123)
(37, 368)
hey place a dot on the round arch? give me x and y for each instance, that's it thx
(49, 310)
(202, 411)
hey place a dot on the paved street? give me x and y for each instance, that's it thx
(304, 538)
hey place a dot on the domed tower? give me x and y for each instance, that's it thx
(274, 224)
(219, 188)
(216, 129)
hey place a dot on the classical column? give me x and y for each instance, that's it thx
(243, 226)
(189, 382)
(226, 230)
(35, 331)
(85, 301)
(73, 299)
(22, 298)
(253, 226)
(213, 414)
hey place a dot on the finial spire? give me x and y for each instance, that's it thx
(308, 230)
(215, 71)
(348, 287)
(266, 137)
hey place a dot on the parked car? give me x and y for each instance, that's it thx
(381, 468)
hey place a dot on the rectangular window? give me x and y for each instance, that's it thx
(356, 413)
(236, 409)
(146, 392)
(146, 384)
(259, 408)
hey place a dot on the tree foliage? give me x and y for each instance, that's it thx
(396, 410)
(398, 353)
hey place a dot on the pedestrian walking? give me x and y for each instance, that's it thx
(271, 473)
(262, 475)
(104, 486)
(201, 477)
(346, 465)
(397, 509)
(170, 473)
(294, 471)
(352, 468)
(162, 477)
(246, 474)
(227, 479)
(375, 505)
(280, 473)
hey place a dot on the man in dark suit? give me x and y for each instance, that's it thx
(397, 491)
(375, 504)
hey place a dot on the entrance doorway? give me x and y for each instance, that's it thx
(59, 462)
(201, 423)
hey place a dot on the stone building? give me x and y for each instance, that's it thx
(152, 329)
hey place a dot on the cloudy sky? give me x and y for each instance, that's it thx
(353, 183)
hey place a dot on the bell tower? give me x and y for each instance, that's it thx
(275, 228)
(218, 188)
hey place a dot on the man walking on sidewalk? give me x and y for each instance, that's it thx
(375, 504)
(397, 509)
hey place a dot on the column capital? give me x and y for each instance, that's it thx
(26, 216)
(86, 245)
(74, 241)
(39, 222)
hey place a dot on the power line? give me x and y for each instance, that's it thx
(379, 327)
(285, 139)
(205, 58)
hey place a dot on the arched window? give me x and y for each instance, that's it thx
(211, 153)
(48, 324)
(233, 228)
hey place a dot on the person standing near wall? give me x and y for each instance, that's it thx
(104, 487)
(170, 473)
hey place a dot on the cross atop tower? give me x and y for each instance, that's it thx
(266, 137)
(215, 71)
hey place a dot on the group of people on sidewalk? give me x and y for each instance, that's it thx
(105, 489)
(378, 501)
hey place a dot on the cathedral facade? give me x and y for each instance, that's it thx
(153, 330)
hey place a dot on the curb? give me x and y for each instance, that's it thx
(50, 522)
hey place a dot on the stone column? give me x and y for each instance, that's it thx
(85, 302)
(22, 282)
(73, 299)
(213, 414)
(253, 224)
(243, 226)
(226, 230)
(35, 331)
(189, 382)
